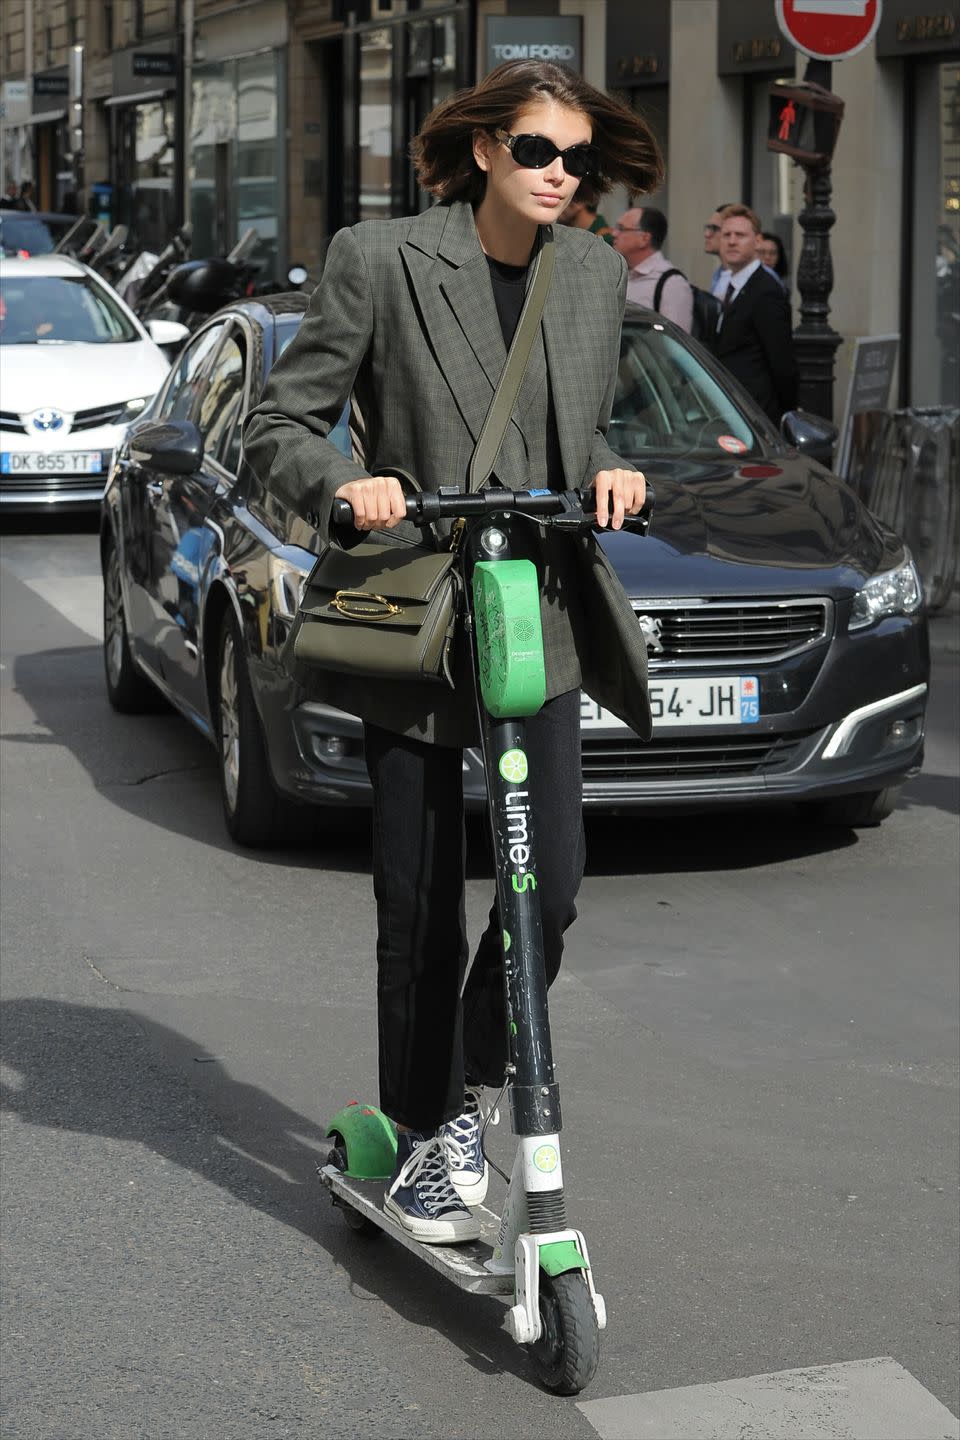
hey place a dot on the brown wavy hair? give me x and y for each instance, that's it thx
(443, 150)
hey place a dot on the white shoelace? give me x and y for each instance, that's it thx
(428, 1171)
(467, 1128)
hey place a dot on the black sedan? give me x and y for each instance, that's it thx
(788, 645)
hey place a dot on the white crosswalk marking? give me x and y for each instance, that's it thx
(79, 598)
(858, 1400)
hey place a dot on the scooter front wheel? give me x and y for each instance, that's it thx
(358, 1223)
(566, 1356)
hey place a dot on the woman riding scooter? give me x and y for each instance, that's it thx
(413, 318)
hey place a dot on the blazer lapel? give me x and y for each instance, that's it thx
(470, 296)
(449, 276)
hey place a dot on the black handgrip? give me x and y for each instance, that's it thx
(426, 508)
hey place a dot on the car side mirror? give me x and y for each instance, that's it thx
(174, 447)
(167, 332)
(810, 434)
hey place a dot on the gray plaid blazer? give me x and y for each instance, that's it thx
(404, 321)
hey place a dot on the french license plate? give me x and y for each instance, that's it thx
(60, 462)
(705, 700)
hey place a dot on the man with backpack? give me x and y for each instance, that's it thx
(653, 282)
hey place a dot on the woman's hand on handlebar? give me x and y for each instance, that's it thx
(378, 503)
(619, 493)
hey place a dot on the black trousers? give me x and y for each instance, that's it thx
(432, 1038)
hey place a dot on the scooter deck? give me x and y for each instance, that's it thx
(461, 1264)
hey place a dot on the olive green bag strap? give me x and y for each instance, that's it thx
(497, 418)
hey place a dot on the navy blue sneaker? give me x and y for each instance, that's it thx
(469, 1171)
(420, 1195)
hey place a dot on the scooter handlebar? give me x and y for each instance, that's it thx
(426, 508)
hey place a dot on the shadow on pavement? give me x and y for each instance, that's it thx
(141, 762)
(115, 1074)
(932, 792)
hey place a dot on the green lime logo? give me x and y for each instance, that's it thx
(513, 767)
(545, 1158)
(506, 939)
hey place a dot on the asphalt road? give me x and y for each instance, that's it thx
(757, 1034)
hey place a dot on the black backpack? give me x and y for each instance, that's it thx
(706, 307)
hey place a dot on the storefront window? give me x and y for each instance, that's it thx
(144, 169)
(431, 77)
(213, 127)
(258, 195)
(236, 158)
(935, 309)
(375, 128)
(653, 103)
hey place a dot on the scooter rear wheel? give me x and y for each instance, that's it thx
(566, 1356)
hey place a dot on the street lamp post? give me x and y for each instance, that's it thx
(815, 339)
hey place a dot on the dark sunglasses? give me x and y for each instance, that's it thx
(536, 152)
(712, 228)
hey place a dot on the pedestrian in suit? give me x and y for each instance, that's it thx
(754, 335)
(413, 318)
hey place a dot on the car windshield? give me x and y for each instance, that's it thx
(668, 405)
(59, 310)
(31, 234)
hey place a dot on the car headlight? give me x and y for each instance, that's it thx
(132, 409)
(894, 592)
(286, 586)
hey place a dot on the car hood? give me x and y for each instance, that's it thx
(782, 526)
(78, 377)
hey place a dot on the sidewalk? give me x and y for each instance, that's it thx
(945, 628)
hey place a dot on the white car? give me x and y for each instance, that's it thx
(76, 367)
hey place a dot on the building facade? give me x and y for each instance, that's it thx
(295, 116)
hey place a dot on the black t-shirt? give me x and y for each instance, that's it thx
(509, 289)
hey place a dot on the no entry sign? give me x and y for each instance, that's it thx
(829, 29)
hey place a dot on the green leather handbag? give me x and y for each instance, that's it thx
(390, 610)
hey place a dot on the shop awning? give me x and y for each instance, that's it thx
(44, 117)
(138, 97)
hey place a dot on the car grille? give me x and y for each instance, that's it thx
(731, 632)
(23, 484)
(688, 758)
(102, 415)
(83, 420)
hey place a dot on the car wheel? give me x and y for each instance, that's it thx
(128, 690)
(251, 806)
(858, 812)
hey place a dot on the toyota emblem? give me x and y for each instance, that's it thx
(46, 420)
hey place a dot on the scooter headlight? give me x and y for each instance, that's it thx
(894, 592)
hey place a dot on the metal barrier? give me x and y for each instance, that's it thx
(906, 469)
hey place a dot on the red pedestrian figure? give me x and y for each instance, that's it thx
(787, 116)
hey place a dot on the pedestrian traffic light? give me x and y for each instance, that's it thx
(804, 121)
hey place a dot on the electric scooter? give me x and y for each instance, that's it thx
(529, 1252)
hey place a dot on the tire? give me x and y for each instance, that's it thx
(251, 806)
(858, 812)
(358, 1223)
(566, 1356)
(128, 689)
